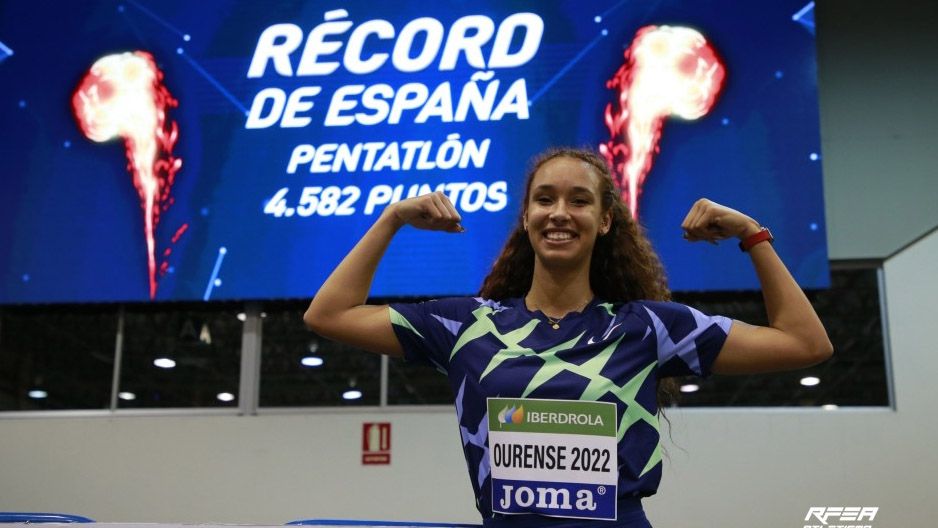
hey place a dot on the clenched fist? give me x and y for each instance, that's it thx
(434, 212)
(712, 222)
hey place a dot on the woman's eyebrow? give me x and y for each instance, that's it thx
(575, 188)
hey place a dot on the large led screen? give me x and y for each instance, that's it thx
(224, 149)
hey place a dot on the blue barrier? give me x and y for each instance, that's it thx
(34, 517)
(351, 522)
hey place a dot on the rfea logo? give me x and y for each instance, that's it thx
(511, 415)
(840, 516)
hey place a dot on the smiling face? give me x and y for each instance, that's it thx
(563, 214)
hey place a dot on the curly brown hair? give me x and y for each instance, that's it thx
(623, 267)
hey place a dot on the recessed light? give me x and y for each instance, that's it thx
(352, 394)
(164, 363)
(810, 381)
(311, 361)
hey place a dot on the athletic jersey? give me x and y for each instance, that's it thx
(493, 352)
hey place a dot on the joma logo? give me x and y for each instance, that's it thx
(545, 498)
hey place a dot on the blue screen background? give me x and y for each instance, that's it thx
(71, 225)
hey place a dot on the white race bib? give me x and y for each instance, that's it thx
(553, 457)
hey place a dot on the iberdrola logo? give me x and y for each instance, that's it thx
(511, 415)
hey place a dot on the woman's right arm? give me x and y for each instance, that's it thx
(338, 311)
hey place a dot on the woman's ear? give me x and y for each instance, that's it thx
(606, 224)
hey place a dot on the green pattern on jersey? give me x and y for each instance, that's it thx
(483, 326)
(509, 353)
(400, 320)
(598, 385)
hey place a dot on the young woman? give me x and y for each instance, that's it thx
(556, 364)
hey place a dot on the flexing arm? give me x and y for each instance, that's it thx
(338, 311)
(795, 337)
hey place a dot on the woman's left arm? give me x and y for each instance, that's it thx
(795, 337)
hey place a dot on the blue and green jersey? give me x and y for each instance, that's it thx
(608, 352)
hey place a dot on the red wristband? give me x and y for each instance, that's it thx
(762, 236)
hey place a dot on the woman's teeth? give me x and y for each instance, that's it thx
(556, 235)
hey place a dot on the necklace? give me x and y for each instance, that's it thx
(555, 323)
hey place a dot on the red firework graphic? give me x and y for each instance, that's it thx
(122, 96)
(667, 71)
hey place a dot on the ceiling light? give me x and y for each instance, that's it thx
(164, 363)
(352, 394)
(225, 396)
(242, 317)
(129, 396)
(829, 407)
(37, 394)
(810, 381)
(311, 361)
(690, 387)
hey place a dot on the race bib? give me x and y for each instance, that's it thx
(553, 457)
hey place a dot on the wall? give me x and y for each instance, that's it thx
(262, 470)
(877, 80)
